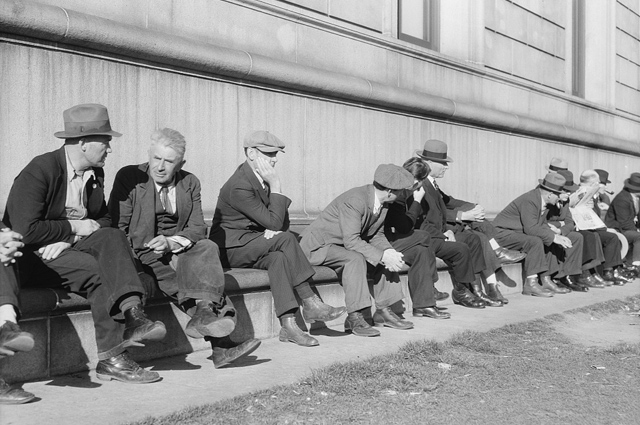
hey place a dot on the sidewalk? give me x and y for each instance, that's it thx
(191, 380)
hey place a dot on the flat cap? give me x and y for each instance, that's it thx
(393, 177)
(263, 141)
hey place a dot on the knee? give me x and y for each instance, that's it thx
(355, 259)
(208, 247)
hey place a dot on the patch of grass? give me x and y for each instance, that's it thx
(521, 373)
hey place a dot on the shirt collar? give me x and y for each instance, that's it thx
(72, 172)
(259, 177)
(169, 186)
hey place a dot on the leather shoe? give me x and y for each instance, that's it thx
(224, 356)
(494, 293)
(477, 291)
(290, 332)
(440, 296)
(313, 309)
(531, 287)
(123, 368)
(10, 395)
(601, 280)
(356, 324)
(549, 285)
(462, 296)
(138, 328)
(432, 312)
(509, 255)
(632, 271)
(589, 281)
(386, 317)
(211, 320)
(616, 276)
(572, 283)
(12, 339)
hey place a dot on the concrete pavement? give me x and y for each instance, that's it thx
(192, 380)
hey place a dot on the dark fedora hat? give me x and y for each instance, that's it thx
(88, 119)
(633, 183)
(553, 182)
(569, 184)
(434, 150)
(604, 176)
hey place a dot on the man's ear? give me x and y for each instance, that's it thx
(83, 145)
(251, 154)
(179, 167)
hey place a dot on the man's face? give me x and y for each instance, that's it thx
(270, 157)
(164, 163)
(564, 196)
(602, 188)
(96, 149)
(437, 169)
(552, 198)
(392, 196)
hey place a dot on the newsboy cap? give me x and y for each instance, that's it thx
(553, 182)
(393, 177)
(263, 141)
(87, 119)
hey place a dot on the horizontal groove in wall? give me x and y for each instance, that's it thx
(55, 24)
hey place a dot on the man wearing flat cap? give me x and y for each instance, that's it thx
(250, 226)
(523, 225)
(454, 224)
(158, 205)
(623, 216)
(57, 204)
(348, 236)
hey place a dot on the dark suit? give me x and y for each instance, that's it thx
(464, 256)
(192, 274)
(244, 211)
(346, 236)
(100, 266)
(9, 288)
(623, 217)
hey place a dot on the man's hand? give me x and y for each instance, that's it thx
(392, 260)
(554, 229)
(418, 194)
(268, 234)
(161, 245)
(10, 243)
(450, 236)
(53, 251)
(268, 174)
(563, 241)
(474, 214)
(84, 227)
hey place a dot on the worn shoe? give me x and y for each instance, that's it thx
(290, 332)
(138, 328)
(531, 287)
(209, 320)
(224, 356)
(12, 339)
(10, 395)
(462, 296)
(356, 324)
(601, 280)
(123, 368)
(313, 309)
(386, 317)
(440, 296)
(509, 255)
(549, 285)
(571, 282)
(494, 293)
(432, 312)
(477, 291)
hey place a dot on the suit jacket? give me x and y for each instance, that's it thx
(36, 204)
(561, 218)
(132, 205)
(523, 215)
(245, 210)
(349, 221)
(621, 213)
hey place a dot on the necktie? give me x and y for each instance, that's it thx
(164, 198)
(435, 185)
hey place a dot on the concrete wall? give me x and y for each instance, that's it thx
(333, 143)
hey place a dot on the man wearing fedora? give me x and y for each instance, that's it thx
(158, 205)
(452, 221)
(250, 226)
(57, 204)
(623, 215)
(523, 225)
(348, 236)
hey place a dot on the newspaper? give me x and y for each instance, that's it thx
(583, 196)
(586, 218)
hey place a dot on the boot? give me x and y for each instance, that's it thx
(211, 320)
(292, 333)
(477, 291)
(313, 309)
(585, 279)
(531, 287)
(356, 324)
(572, 283)
(386, 317)
(494, 293)
(462, 296)
(137, 327)
(596, 276)
(549, 285)
(616, 276)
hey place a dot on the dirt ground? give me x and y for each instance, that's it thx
(601, 330)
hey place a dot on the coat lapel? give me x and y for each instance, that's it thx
(183, 201)
(255, 183)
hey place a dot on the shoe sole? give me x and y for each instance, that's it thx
(469, 306)
(157, 333)
(431, 317)
(218, 329)
(343, 311)
(20, 343)
(287, 339)
(242, 354)
(533, 294)
(392, 326)
(18, 401)
(362, 334)
(104, 377)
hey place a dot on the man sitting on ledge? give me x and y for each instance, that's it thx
(57, 204)
(157, 204)
(251, 225)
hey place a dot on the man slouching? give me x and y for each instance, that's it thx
(158, 205)
(251, 225)
(57, 204)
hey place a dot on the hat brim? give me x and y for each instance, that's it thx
(542, 185)
(428, 158)
(65, 135)
(571, 188)
(268, 149)
(631, 187)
